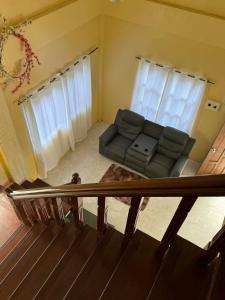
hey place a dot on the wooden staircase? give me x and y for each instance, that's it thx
(51, 258)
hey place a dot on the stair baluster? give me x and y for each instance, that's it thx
(216, 246)
(30, 211)
(178, 219)
(42, 214)
(57, 211)
(77, 210)
(102, 216)
(20, 211)
(132, 216)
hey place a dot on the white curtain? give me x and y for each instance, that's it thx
(60, 115)
(149, 87)
(167, 97)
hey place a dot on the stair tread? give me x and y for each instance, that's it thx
(28, 185)
(97, 272)
(63, 276)
(181, 276)
(11, 243)
(36, 278)
(40, 183)
(10, 261)
(137, 270)
(16, 275)
(13, 187)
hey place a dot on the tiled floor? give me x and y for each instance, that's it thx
(202, 223)
(8, 220)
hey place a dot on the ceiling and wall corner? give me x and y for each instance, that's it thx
(168, 34)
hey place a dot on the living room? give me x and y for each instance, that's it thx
(167, 35)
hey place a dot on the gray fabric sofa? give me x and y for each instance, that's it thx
(144, 146)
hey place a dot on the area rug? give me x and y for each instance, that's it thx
(117, 173)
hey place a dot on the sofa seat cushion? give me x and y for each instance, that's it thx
(117, 148)
(163, 160)
(159, 166)
(154, 170)
(172, 142)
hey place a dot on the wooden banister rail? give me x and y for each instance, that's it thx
(211, 185)
(189, 188)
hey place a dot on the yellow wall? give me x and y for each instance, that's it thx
(135, 27)
(5, 174)
(57, 38)
(167, 35)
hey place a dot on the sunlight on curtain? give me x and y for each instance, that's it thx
(180, 102)
(60, 115)
(167, 97)
(148, 90)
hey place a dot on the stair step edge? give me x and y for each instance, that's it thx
(11, 239)
(54, 240)
(87, 232)
(35, 240)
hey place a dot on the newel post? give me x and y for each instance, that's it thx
(179, 217)
(132, 216)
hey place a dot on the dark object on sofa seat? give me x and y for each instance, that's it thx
(145, 146)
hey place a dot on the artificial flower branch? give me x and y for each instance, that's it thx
(30, 57)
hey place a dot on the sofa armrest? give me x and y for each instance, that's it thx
(178, 167)
(108, 135)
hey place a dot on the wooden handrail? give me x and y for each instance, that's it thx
(189, 188)
(210, 185)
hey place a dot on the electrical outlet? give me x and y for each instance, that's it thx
(212, 105)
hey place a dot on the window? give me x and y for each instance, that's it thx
(59, 115)
(167, 96)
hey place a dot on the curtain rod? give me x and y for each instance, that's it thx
(53, 78)
(178, 71)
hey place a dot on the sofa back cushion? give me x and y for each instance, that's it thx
(129, 123)
(172, 142)
(152, 129)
